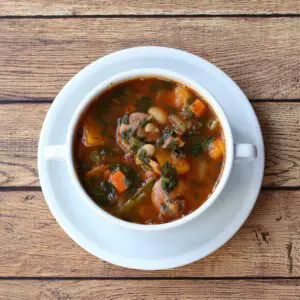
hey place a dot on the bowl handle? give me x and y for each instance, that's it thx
(244, 152)
(55, 152)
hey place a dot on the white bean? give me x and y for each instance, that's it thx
(158, 114)
(150, 149)
(151, 128)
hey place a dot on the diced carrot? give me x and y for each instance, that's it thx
(198, 108)
(92, 133)
(217, 149)
(182, 166)
(118, 180)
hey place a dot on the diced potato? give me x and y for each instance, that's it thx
(158, 114)
(162, 156)
(92, 133)
(198, 108)
(182, 94)
(181, 165)
(217, 149)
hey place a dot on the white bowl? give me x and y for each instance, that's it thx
(233, 151)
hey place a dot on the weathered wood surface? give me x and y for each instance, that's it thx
(38, 56)
(156, 7)
(20, 126)
(148, 289)
(33, 244)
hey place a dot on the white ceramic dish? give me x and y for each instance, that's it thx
(163, 249)
(233, 151)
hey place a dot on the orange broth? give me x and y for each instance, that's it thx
(112, 176)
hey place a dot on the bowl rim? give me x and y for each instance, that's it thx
(165, 74)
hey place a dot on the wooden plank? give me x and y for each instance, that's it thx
(18, 144)
(148, 289)
(33, 244)
(156, 7)
(38, 56)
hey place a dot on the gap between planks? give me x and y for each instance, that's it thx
(155, 16)
(157, 278)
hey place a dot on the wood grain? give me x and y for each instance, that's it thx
(33, 244)
(38, 56)
(148, 289)
(156, 7)
(18, 144)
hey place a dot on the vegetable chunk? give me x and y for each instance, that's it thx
(182, 95)
(217, 149)
(118, 180)
(92, 133)
(198, 108)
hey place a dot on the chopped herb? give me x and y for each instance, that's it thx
(168, 169)
(142, 156)
(173, 145)
(126, 134)
(168, 184)
(103, 193)
(159, 142)
(135, 144)
(206, 142)
(144, 103)
(169, 177)
(187, 113)
(167, 132)
(95, 157)
(196, 145)
(146, 121)
(124, 119)
(107, 187)
(195, 129)
(159, 85)
(178, 152)
(99, 155)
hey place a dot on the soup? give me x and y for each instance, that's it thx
(149, 150)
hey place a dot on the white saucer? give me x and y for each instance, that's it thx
(159, 250)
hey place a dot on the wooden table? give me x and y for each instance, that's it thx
(44, 43)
